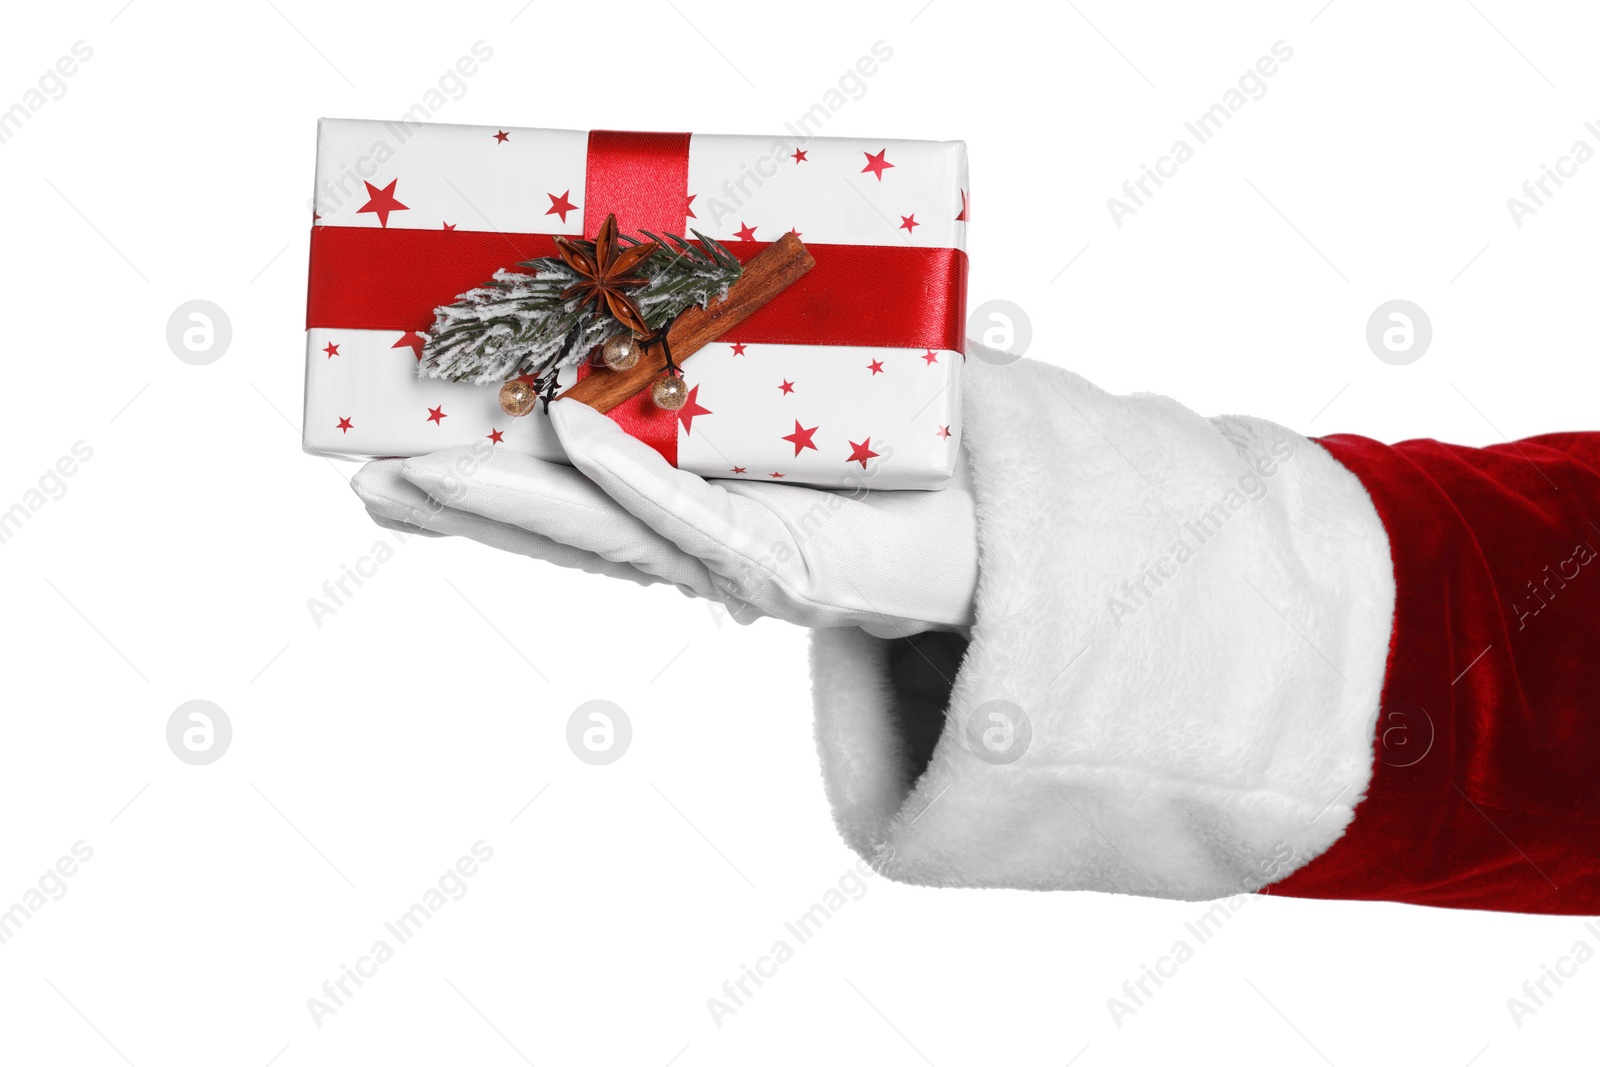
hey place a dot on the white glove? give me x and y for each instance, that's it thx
(892, 563)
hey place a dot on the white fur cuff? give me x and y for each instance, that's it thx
(1174, 676)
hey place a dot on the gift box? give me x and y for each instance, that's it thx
(850, 373)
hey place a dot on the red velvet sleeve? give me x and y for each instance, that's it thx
(1486, 779)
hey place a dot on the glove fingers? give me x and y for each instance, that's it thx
(556, 503)
(891, 563)
(396, 504)
(740, 539)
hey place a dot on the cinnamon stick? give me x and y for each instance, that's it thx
(771, 272)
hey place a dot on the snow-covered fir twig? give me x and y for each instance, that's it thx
(517, 324)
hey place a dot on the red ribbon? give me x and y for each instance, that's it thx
(868, 295)
(642, 178)
(885, 297)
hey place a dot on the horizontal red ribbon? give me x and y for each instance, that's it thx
(883, 297)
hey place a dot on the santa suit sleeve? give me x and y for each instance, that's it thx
(1212, 656)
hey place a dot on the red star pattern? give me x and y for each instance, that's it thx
(801, 438)
(876, 164)
(384, 202)
(381, 201)
(860, 453)
(560, 205)
(413, 341)
(690, 409)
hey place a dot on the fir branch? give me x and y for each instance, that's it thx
(517, 324)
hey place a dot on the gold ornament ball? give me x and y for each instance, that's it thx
(518, 397)
(621, 352)
(670, 393)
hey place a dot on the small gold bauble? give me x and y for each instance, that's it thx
(518, 397)
(669, 392)
(621, 352)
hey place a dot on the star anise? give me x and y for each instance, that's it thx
(606, 275)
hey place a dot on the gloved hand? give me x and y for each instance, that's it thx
(892, 563)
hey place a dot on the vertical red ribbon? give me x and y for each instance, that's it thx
(642, 178)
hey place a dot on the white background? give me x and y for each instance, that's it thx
(372, 751)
